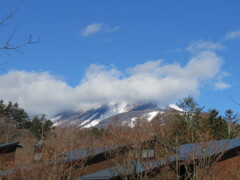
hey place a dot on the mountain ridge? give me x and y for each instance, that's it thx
(104, 115)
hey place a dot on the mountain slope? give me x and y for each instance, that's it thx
(102, 116)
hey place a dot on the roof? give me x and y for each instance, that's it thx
(185, 152)
(134, 166)
(211, 148)
(89, 152)
(7, 145)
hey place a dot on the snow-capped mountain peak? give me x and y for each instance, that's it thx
(102, 116)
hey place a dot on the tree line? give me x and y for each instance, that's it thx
(192, 123)
(11, 115)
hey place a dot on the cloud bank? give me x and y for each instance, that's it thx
(151, 81)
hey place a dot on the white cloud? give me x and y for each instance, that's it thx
(37, 92)
(221, 85)
(151, 81)
(232, 35)
(201, 45)
(97, 28)
(91, 29)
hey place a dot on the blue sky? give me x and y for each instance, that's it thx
(85, 45)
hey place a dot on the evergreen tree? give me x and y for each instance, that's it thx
(40, 126)
(15, 114)
(217, 124)
(189, 120)
(2, 107)
(192, 112)
(233, 128)
(12, 114)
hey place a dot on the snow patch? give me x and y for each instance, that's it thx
(151, 115)
(132, 122)
(173, 106)
(120, 107)
(85, 122)
(92, 124)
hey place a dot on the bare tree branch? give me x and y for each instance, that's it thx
(7, 45)
(10, 15)
(234, 100)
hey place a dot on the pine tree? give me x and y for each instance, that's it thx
(189, 120)
(40, 126)
(12, 115)
(232, 120)
(217, 124)
(16, 115)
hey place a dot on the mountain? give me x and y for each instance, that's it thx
(102, 116)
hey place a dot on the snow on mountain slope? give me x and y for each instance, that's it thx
(148, 115)
(81, 118)
(102, 116)
(92, 123)
(173, 106)
(124, 118)
(151, 115)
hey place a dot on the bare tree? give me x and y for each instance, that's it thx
(7, 45)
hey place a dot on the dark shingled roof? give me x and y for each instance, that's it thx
(3, 146)
(200, 150)
(134, 167)
(185, 152)
(89, 152)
